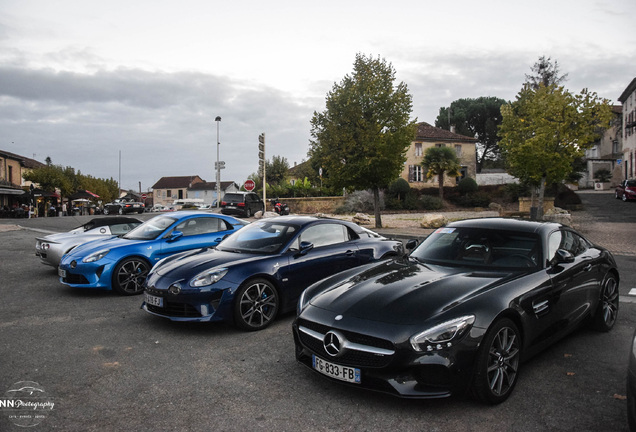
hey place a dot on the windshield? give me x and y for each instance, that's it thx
(151, 229)
(480, 247)
(260, 237)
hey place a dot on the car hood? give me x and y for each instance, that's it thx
(105, 243)
(405, 291)
(190, 264)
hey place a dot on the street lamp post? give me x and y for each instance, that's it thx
(218, 164)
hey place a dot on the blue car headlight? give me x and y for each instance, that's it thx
(208, 277)
(442, 335)
(96, 256)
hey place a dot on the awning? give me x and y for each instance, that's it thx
(7, 191)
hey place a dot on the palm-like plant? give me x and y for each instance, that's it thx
(439, 161)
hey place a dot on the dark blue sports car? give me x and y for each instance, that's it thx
(122, 264)
(261, 270)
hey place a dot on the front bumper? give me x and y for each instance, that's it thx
(203, 306)
(406, 373)
(95, 275)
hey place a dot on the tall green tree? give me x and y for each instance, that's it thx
(362, 136)
(479, 118)
(276, 170)
(546, 129)
(439, 161)
(545, 72)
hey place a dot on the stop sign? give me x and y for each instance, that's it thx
(249, 185)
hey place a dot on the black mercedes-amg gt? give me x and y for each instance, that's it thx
(461, 312)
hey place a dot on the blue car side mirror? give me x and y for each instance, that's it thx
(175, 236)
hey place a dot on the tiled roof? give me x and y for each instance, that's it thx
(25, 161)
(426, 132)
(182, 182)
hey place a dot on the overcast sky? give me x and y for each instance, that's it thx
(82, 80)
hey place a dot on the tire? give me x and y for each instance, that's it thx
(607, 310)
(256, 305)
(497, 363)
(616, 195)
(248, 212)
(105, 211)
(129, 276)
(120, 211)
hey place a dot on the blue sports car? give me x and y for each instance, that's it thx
(122, 264)
(260, 271)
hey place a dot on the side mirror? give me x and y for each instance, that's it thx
(562, 257)
(175, 235)
(411, 244)
(305, 247)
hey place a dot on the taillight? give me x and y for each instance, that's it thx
(223, 203)
(241, 204)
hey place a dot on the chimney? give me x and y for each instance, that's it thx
(452, 128)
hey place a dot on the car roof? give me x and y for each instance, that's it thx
(508, 224)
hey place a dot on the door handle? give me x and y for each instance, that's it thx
(349, 253)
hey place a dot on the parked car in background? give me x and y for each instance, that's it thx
(51, 248)
(260, 271)
(122, 264)
(242, 204)
(626, 190)
(124, 207)
(461, 312)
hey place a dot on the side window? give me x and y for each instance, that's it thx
(325, 234)
(554, 243)
(121, 229)
(198, 226)
(568, 241)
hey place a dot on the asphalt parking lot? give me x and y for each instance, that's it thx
(108, 366)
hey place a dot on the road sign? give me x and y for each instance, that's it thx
(219, 165)
(144, 196)
(249, 185)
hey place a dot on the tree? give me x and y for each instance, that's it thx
(361, 138)
(478, 118)
(439, 161)
(546, 73)
(276, 170)
(546, 129)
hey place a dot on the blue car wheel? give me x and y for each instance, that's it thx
(130, 275)
(256, 305)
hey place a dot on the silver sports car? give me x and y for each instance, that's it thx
(51, 248)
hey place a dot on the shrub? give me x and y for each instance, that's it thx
(359, 202)
(467, 185)
(513, 191)
(428, 202)
(399, 189)
(477, 199)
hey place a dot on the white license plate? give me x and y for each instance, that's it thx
(153, 300)
(343, 373)
(61, 273)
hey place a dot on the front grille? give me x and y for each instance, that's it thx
(180, 310)
(350, 357)
(76, 279)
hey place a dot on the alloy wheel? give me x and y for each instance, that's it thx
(257, 305)
(503, 361)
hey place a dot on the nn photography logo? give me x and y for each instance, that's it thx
(26, 404)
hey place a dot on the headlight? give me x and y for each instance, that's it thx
(208, 277)
(442, 335)
(96, 256)
(302, 302)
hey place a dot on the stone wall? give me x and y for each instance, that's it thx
(313, 205)
(525, 204)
